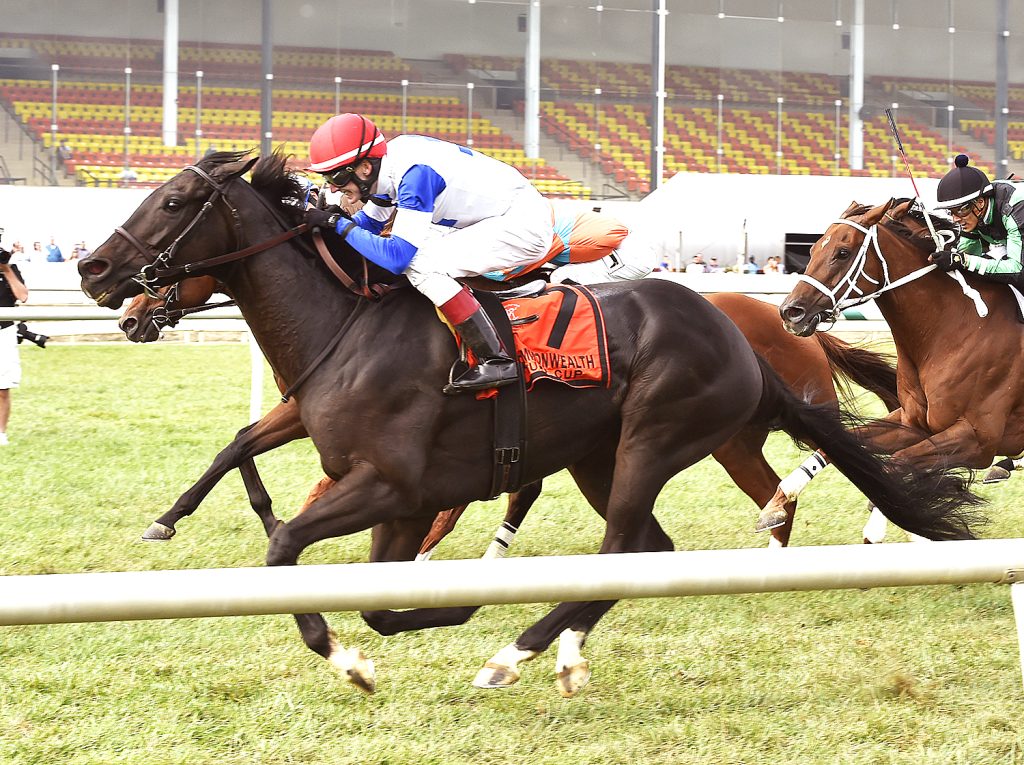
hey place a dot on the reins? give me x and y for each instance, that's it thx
(162, 271)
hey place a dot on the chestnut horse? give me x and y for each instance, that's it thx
(953, 363)
(683, 381)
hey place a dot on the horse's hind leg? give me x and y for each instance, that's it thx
(279, 426)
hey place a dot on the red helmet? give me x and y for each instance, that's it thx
(343, 142)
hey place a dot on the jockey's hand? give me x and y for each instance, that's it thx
(948, 259)
(325, 219)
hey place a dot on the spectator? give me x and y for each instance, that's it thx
(750, 266)
(771, 266)
(697, 265)
(80, 251)
(713, 267)
(64, 153)
(12, 291)
(128, 176)
(53, 253)
(37, 255)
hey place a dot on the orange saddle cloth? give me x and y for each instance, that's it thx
(560, 336)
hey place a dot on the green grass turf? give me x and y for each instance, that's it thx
(106, 437)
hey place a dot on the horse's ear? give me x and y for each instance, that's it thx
(233, 170)
(875, 214)
(849, 210)
(901, 209)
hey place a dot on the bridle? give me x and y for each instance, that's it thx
(847, 294)
(160, 271)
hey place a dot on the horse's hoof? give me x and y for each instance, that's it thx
(996, 474)
(495, 676)
(571, 680)
(356, 668)
(157, 532)
(770, 519)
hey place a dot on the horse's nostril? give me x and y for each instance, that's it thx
(93, 267)
(793, 313)
(129, 324)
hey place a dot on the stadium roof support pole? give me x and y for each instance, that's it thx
(1002, 162)
(267, 61)
(531, 113)
(657, 127)
(170, 121)
(856, 136)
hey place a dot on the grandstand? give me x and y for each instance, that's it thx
(594, 114)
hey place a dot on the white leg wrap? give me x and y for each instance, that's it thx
(502, 540)
(875, 528)
(773, 543)
(797, 481)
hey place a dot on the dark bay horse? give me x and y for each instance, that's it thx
(957, 370)
(812, 368)
(683, 381)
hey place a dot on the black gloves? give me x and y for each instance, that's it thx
(948, 259)
(325, 219)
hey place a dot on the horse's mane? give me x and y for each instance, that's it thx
(270, 177)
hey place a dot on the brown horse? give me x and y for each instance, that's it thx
(683, 381)
(811, 367)
(954, 364)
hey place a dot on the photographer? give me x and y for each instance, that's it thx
(12, 292)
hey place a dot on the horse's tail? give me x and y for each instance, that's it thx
(875, 372)
(932, 503)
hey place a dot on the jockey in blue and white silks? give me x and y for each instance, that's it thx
(456, 213)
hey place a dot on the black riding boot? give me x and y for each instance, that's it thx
(494, 366)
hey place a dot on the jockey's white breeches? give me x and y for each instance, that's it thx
(518, 238)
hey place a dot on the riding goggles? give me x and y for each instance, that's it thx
(339, 178)
(962, 211)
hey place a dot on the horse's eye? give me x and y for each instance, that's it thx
(173, 204)
(843, 253)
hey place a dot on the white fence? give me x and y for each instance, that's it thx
(126, 596)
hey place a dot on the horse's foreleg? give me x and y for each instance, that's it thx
(399, 540)
(259, 498)
(1001, 470)
(958, 446)
(279, 426)
(356, 502)
(777, 514)
(743, 460)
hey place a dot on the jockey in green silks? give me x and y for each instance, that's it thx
(991, 218)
